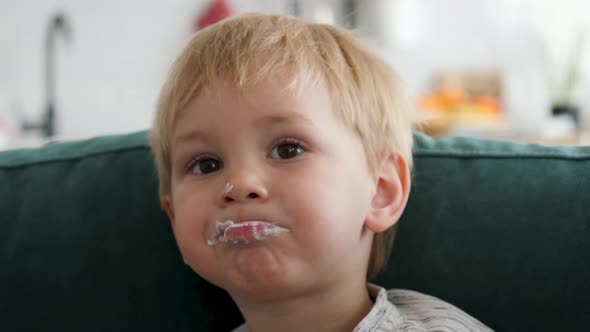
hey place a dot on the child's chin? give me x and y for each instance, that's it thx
(256, 270)
(261, 291)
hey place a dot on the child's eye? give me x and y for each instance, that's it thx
(204, 165)
(286, 150)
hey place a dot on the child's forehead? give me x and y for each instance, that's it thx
(283, 91)
(285, 82)
(266, 104)
(229, 97)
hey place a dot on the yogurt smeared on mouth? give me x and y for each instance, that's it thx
(244, 232)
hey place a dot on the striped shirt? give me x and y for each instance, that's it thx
(405, 311)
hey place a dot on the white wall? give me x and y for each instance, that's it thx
(109, 75)
(529, 41)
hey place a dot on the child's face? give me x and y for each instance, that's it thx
(291, 162)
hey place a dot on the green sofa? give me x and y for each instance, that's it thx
(500, 229)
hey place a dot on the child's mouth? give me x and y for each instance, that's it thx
(244, 232)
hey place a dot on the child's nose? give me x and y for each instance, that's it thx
(244, 189)
(250, 196)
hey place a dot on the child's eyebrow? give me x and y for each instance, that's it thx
(191, 136)
(262, 123)
(287, 117)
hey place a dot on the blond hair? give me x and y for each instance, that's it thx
(366, 92)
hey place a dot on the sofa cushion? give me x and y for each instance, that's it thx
(84, 244)
(499, 229)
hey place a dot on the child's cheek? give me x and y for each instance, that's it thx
(190, 240)
(314, 212)
(191, 222)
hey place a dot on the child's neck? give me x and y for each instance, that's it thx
(336, 308)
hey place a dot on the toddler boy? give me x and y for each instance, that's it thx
(284, 151)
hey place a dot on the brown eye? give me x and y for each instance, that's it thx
(287, 151)
(205, 166)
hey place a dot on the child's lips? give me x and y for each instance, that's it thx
(244, 231)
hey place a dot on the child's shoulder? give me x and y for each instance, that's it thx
(426, 313)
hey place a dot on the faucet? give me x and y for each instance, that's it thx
(294, 7)
(46, 126)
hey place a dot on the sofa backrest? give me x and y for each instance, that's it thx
(499, 229)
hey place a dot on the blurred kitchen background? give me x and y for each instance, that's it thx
(506, 69)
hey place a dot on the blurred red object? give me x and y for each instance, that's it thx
(217, 11)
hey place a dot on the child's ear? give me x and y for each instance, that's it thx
(391, 194)
(167, 205)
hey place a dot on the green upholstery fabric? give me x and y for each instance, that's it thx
(501, 230)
